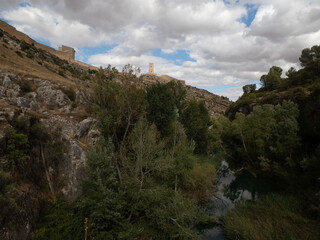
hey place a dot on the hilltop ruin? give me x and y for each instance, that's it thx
(64, 52)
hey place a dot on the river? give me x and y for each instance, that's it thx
(231, 188)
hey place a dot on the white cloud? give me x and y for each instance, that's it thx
(53, 27)
(226, 51)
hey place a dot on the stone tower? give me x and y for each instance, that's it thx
(151, 68)
(69, 52)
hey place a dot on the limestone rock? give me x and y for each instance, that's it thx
(52, 97)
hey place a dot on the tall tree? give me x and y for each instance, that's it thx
(164, 103)
(273, 79)
(195, 118)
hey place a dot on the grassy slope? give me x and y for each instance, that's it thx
(26, 67)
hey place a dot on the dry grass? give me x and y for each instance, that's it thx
(273, 217)
(26, 67)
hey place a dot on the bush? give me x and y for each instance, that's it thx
(8, 206)
(27, 86)
(19, 54)
(199, 182)
(61, 73)
(17, 146)
(59, 222)
(71, 94)
(24, 46)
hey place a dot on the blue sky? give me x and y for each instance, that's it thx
(217, 45)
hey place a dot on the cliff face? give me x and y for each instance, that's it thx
(47, 103)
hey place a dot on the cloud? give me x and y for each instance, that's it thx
(53, 27)
(227, 49)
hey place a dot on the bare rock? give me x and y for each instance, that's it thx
(84, 127)
(52, 97)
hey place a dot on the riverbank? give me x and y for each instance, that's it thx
(271, 217)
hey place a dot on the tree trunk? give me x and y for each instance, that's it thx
(46, 171)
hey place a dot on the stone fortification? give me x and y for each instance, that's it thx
(64, 52)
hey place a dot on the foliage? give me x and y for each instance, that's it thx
(17, 146)
(102, 200)
(24, 46)
(117, 108)
(250, 88)
(164, 103)
(271, 217)
(195, 118)
(273, 79)
(71, 94)
(27, 86)
(59, 221)
(149, 172)
(146, 159)
(199, 182)
(310, 59)
(8, 205)
(19, 54)
(265, 140)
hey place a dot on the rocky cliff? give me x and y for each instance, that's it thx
(48, 103)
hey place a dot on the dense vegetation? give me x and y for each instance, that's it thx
(274, 132)
(144, 178)
(153, 169)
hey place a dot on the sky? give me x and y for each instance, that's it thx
(218, 45)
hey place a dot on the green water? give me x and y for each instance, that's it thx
(231, 188)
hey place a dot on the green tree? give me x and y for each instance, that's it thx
(250, 88)
(273, 79)
(195, 118)
(17, 147)
(310, 59)
(102, 201)
(164, 103)
(267, 138)
(154, 205)
(8, 205)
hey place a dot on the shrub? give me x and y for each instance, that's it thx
(61, 73)
(24, 46)
(8, 206)
(19, 54)
(27, 86)
(17, 145)
(199, 182)
(71, 94)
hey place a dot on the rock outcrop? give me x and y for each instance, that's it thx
(40, 98)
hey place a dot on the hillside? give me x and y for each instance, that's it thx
(37, 60)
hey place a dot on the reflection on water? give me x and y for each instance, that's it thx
(231, 188)
(212, 232)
